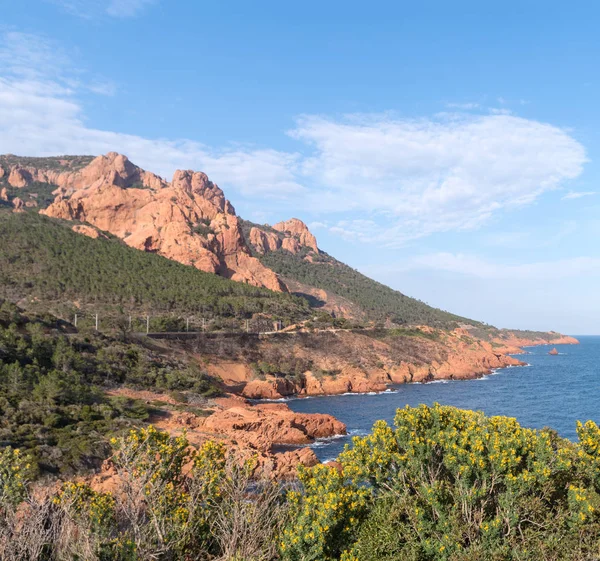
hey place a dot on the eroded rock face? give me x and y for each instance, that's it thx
(19, 177)
(264, 242)
(350, 362)
(18, 204)
(188, 220)
(292, 235)
(264, 425)
(3, 194)
(88, 231)
(298, 231)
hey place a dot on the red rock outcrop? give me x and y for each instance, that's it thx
(510, 339)
(19, 177)
(247, 430)
(553, 352)
(3, 194)
(88, 231)
(263, 241)
(188, 220)
(264, 425)
(292, 235)
(18, 204)
(297, 231)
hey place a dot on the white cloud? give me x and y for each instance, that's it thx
(422, 176)
(398, 179)
(466, 106)
(474, 266)
(89, 9)
(577, 195)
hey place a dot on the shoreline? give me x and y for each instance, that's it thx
(464, 364)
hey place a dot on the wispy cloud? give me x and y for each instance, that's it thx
(89, 9)
(40, 62)
(421, 176)
(475, 266)
(469, 105)
(577, 195)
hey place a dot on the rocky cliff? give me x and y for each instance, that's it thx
(362, 361)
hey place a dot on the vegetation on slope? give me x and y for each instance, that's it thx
(59, 163)
(52, 400)
(376, 300)
(444, 484)
(49, 265)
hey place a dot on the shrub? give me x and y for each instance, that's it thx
(453, 484)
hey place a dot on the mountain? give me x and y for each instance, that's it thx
(190, 221)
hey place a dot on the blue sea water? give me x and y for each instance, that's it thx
(553, 391)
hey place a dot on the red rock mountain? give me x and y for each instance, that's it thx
(188, 219)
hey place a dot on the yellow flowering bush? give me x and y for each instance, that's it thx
(15, 473)
(452, 483)
(442, 484)
(93, 508)
(325, 515)
(150, 451)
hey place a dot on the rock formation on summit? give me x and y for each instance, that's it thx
(291, 235)
(188, 220)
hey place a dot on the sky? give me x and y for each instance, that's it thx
(448, 149)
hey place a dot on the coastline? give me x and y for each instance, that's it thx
(254, 417)
(463, 360)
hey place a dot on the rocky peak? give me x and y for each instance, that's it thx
(113, 169)
(296, 229)
(291, 235)
(197, 183)
(19, 177)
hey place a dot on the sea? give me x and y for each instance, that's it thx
(551, 391)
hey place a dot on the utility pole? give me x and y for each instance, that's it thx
(75, 322)
(187, 324)
(96, 322)
(129, 323)
(147, 325)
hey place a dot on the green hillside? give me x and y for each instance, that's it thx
(50, 266)
(376, 300)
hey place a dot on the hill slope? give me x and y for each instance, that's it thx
(305, 267)
(52, 268)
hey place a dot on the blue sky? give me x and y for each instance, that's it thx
(448, 149)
